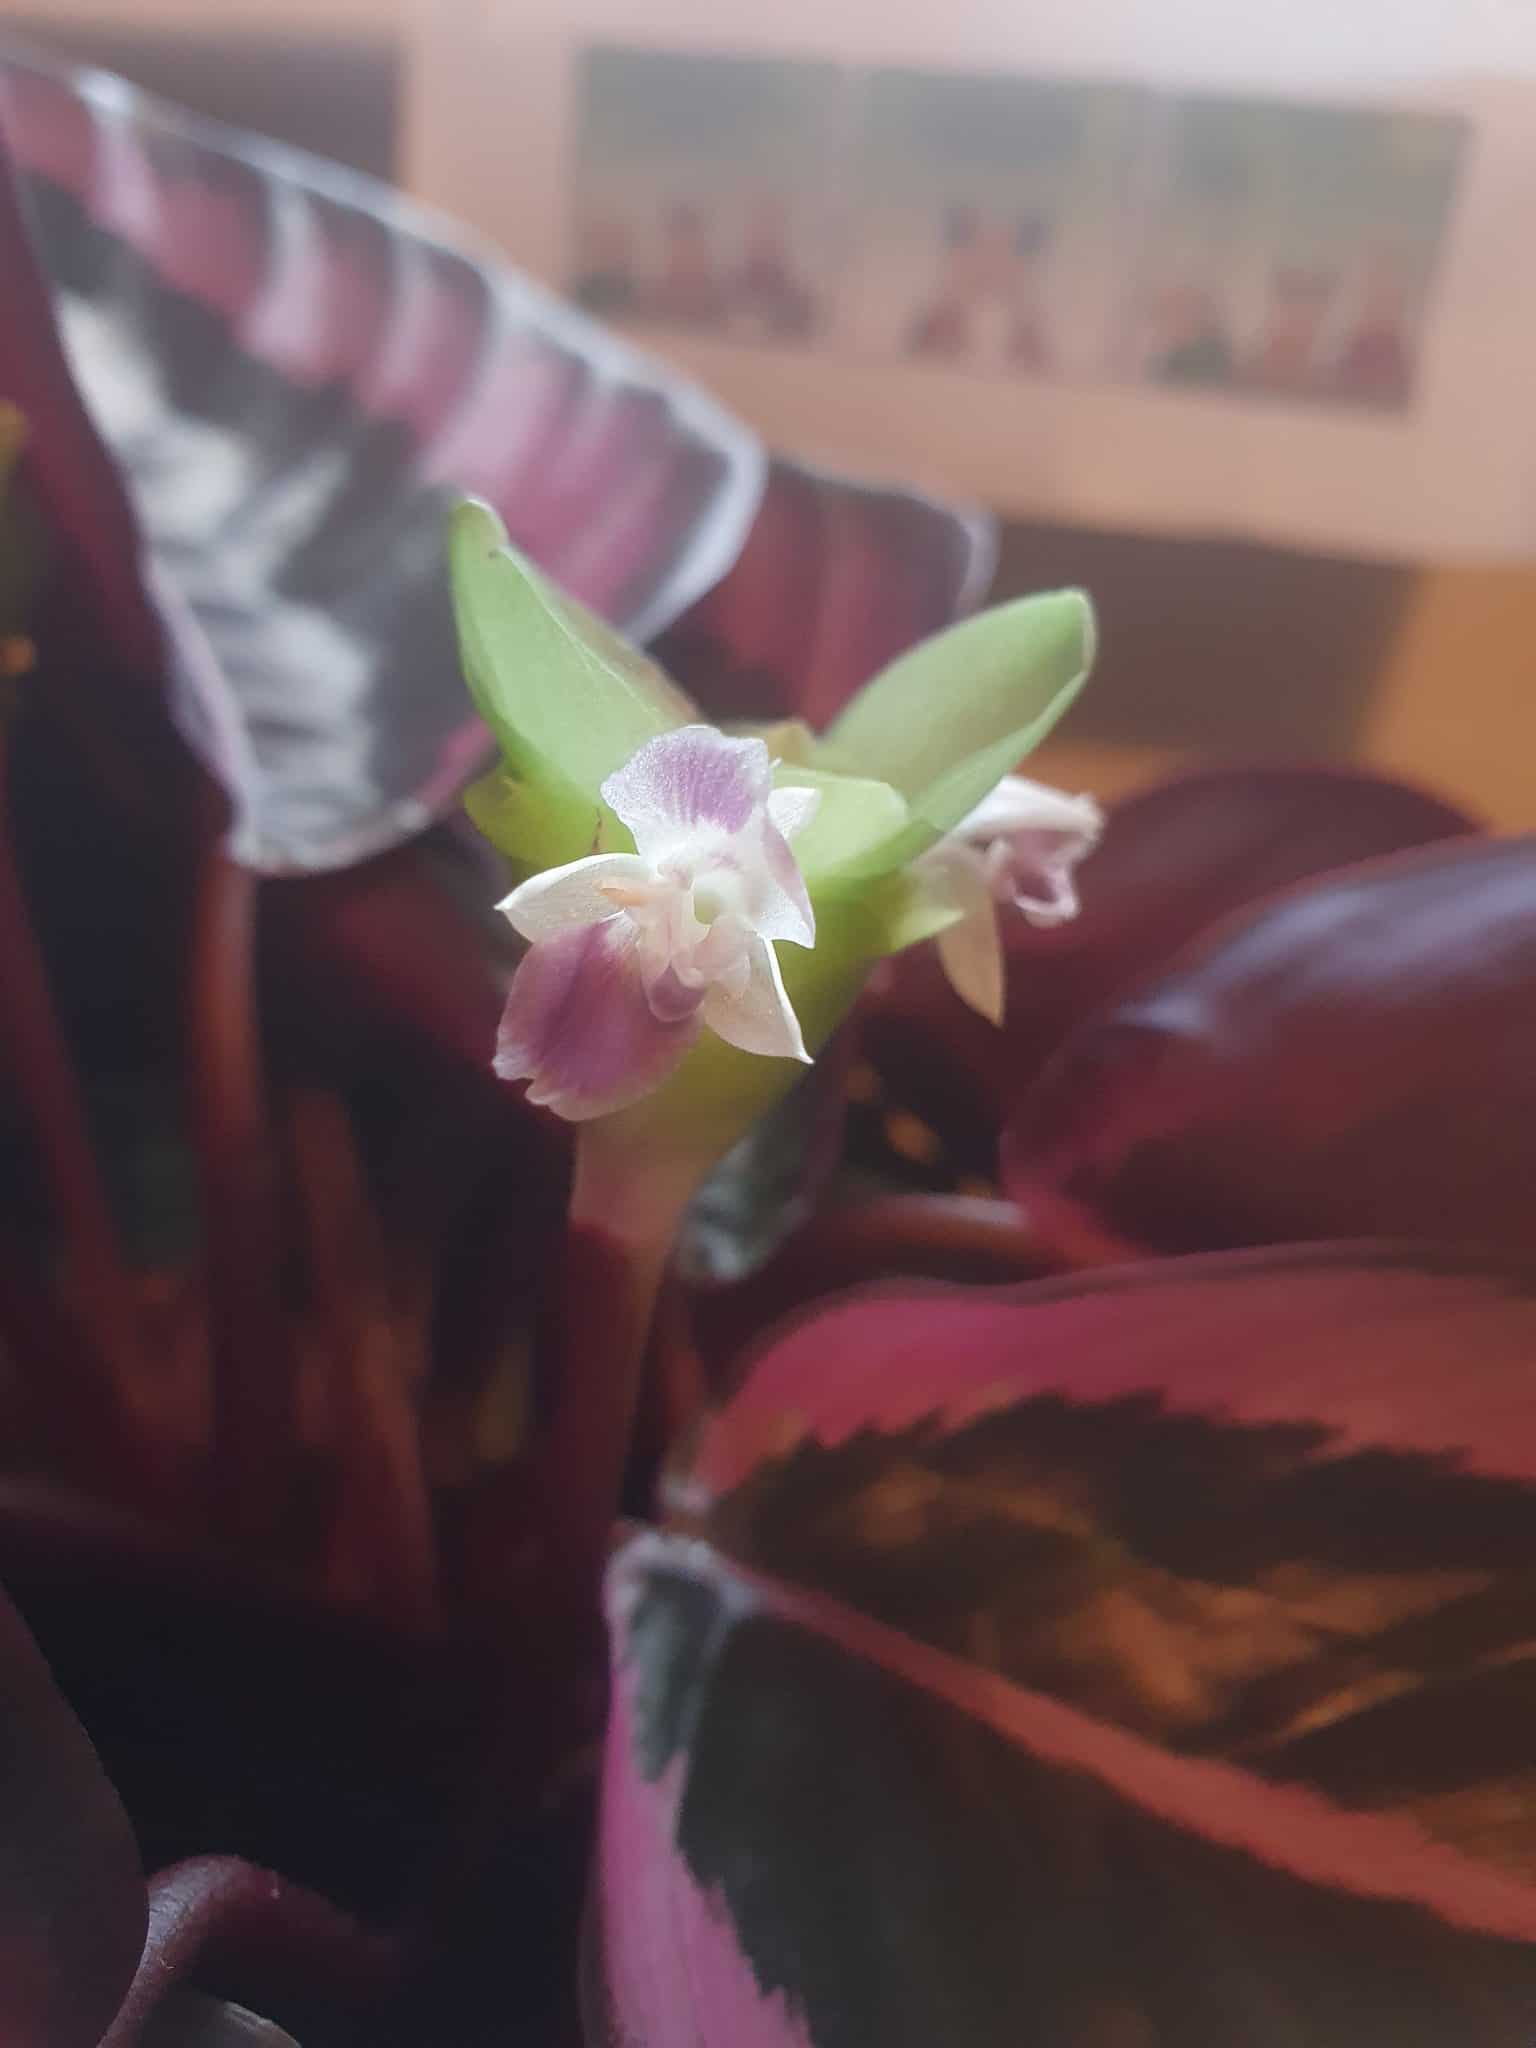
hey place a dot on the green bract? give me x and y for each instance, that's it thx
(568, 701)
(947, 721)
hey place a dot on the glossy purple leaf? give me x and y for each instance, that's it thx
(297, 372)
(1175, 858)
(191, 2021)
(1355, 1058)
(72, 1904)
(1137, 1659)
(218, 1919)
(835, 580)
(975, 1239)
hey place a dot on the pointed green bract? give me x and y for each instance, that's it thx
(944, 723)
(567, 699)
(902, 910)
(854, 816)
(514, 816)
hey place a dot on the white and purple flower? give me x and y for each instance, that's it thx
(1020, 846)
(632, 955)
(657, 850)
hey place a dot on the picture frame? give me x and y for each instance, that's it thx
(495, 135)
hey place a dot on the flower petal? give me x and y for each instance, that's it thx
(970, 952)
(1037, 871)
(779, 905)
(1019, 805)
(761, 1018)
(579, 1028)
(1034, 837)
(684, 779)
(793, 809)
(563, 899)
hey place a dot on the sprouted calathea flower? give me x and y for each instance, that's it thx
(1018, 848)
(632, 954)
(701, 909)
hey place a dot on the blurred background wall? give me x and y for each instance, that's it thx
(1212, 645)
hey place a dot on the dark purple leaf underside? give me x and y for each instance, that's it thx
(836, 579)
(218, 1920)
(72, 1903)
(297, 375)
(190, 2021)
(1354, 1059)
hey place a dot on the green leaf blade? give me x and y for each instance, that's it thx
(945, 722)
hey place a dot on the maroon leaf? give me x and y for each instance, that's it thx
(1353, 1059)
(835, 580)
(1132, 1659)
(848, 1244)
(188, 2020)
(82, 499)
(1175, 858)
(71, 1893)
(404, 940)
(217, 1919)
(297, 374)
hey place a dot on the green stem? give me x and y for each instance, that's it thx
(623, 1219)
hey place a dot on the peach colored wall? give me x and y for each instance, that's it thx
(1451, 703)
(1449, 700)
(1455, 702)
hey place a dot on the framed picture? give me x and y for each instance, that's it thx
(1052, 259)
(984, 212)
(1290, 251)
(699, 193)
